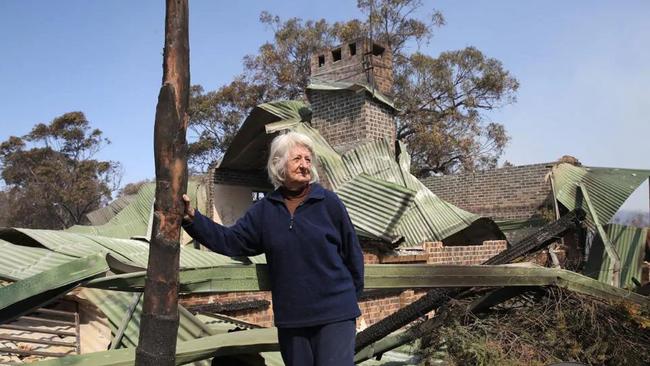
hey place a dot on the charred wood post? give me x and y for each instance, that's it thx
(438, 297)
(159, 328)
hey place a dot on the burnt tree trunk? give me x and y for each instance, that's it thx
(159, 324)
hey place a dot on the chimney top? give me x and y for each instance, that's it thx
(359, 61)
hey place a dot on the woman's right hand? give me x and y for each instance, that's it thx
(188, 214)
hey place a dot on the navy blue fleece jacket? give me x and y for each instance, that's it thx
(314, 258)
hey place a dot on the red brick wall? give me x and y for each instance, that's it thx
(466, 255)
(347, 119)
(263, 317)
(374, 309)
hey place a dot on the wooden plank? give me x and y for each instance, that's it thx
(37, 341)
(615, 278)
(37, 330)
(48, 321)
(32, 353)
(233, 278)
(55, 312)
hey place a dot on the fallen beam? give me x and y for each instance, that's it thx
(539, 239)
(228, 344)
(235, 278)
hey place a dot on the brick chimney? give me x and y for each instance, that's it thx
(355, 108)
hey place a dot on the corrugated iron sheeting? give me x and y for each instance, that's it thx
(71, 244)
(284, 109)
(115, 305)
(427, 218)
(629, 243)
(61, 245)
(132, 221)
(376, 206)
(19, 262)
(375, 159)
(105, 214)
(608, 188)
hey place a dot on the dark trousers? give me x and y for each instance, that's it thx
(322, 345)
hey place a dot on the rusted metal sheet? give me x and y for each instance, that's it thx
(159, 328)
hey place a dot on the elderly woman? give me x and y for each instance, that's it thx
(314, 258)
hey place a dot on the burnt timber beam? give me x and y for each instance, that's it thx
(159, 327)
(48, 342)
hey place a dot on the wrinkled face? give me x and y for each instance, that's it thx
(298, 168)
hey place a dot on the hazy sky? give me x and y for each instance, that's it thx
(583, 65)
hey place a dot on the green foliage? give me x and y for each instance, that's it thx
(444, 98)
(51, 178)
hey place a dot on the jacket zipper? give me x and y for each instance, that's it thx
(294, 212)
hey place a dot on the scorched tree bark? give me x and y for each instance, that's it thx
(159, 324)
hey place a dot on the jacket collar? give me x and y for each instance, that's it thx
(317, 192)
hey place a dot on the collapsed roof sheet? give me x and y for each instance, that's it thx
(422, 217)
(116, 305)
(105, 214)
(629, 244)
(24, 296)
(247, 149)
(19, 262)
(131, 221)
(608, 188)
(82, 245)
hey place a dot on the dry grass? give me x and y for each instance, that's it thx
(542, 327)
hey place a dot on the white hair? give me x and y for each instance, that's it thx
(281, 146)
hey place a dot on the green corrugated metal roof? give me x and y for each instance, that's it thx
(376, 206)
(284, 109)
(252, 138)
(608, 188)
(320, 84)
(105, 214)
(22, 296)
(629, 243)
(19, 262)
(115, 305)
(58, 247)
(131, 221)
(427, 218)
(134, 219)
